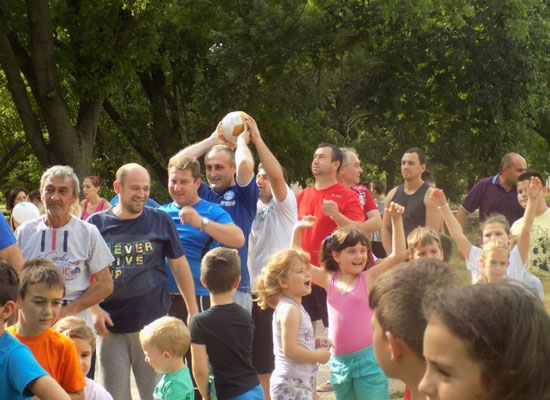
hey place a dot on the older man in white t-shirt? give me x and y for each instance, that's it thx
(271, 231)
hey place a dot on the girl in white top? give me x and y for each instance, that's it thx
(84, 338)
(495, 227)
(281, 285)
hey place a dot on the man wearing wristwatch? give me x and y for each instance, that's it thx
(201, 226)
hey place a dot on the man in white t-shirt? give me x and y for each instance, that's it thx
(75, 246)
(271, 231)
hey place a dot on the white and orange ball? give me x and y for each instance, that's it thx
(232, 125)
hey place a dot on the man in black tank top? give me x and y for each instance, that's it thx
(414, 195)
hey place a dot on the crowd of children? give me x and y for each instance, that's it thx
(415, 321)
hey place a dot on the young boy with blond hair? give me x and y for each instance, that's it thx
(21, 376)
(165, 342)
(424, 242)
(41, 292)
(398, 322)
(222, 335)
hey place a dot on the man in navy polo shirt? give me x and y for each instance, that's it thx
(496, 194)
(230, 174)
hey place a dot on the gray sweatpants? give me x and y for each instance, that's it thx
(118, 355)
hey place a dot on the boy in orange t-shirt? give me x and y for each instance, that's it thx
(41, 293)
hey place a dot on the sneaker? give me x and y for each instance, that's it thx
(325, 387)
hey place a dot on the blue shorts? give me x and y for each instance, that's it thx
(358, 376)
(256, 393)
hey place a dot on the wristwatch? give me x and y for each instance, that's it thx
(204, 222)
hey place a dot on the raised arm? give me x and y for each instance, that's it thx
(270, 164)
(200, 148)
(244, 162)
(462, 242)
(433, 216)
(534, 192)
(184, 279)
(462, 216)
(399, 249)
(386, 225)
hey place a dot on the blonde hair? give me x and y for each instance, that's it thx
(75, 327)
(423, 236)
(167, 334)
(278, 266)
(487, 248)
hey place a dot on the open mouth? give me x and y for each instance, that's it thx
(307, 283)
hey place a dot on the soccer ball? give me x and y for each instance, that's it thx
(232, 125)
(24, 211)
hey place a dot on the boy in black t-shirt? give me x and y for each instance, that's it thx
(224, 332)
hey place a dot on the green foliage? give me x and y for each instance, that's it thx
(464, 79)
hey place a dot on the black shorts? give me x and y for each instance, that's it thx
(315, 304)
(263, 358)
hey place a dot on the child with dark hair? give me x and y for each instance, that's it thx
(489, 342)
(398, 323)
(347, 278)
(21, 376)
(222, 335)
(41, 292)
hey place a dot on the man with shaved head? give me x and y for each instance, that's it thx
(139, 238)
(496, 194)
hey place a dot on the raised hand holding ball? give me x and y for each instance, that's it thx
(232, 125)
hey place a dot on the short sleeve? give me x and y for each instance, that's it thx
(22, 369)
(173, 248)
(99, 254)
(72, 379)
(197, 336)
(6, 235)
(473, 262)
(471, 202)
(248, 195)
(352, 208)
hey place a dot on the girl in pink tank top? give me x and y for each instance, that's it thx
(347, 277)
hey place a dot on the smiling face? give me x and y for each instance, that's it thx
(21, 197)
(494, 263)
(351, 173)
(297, 282)
(220, 170)
(134, 191)
(39, 308)
(183, 188)
(451, 374)
(352, 260)
(522, 193)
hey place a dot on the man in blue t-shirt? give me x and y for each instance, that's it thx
(139, 238)
(230, 174)
(201, 226)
